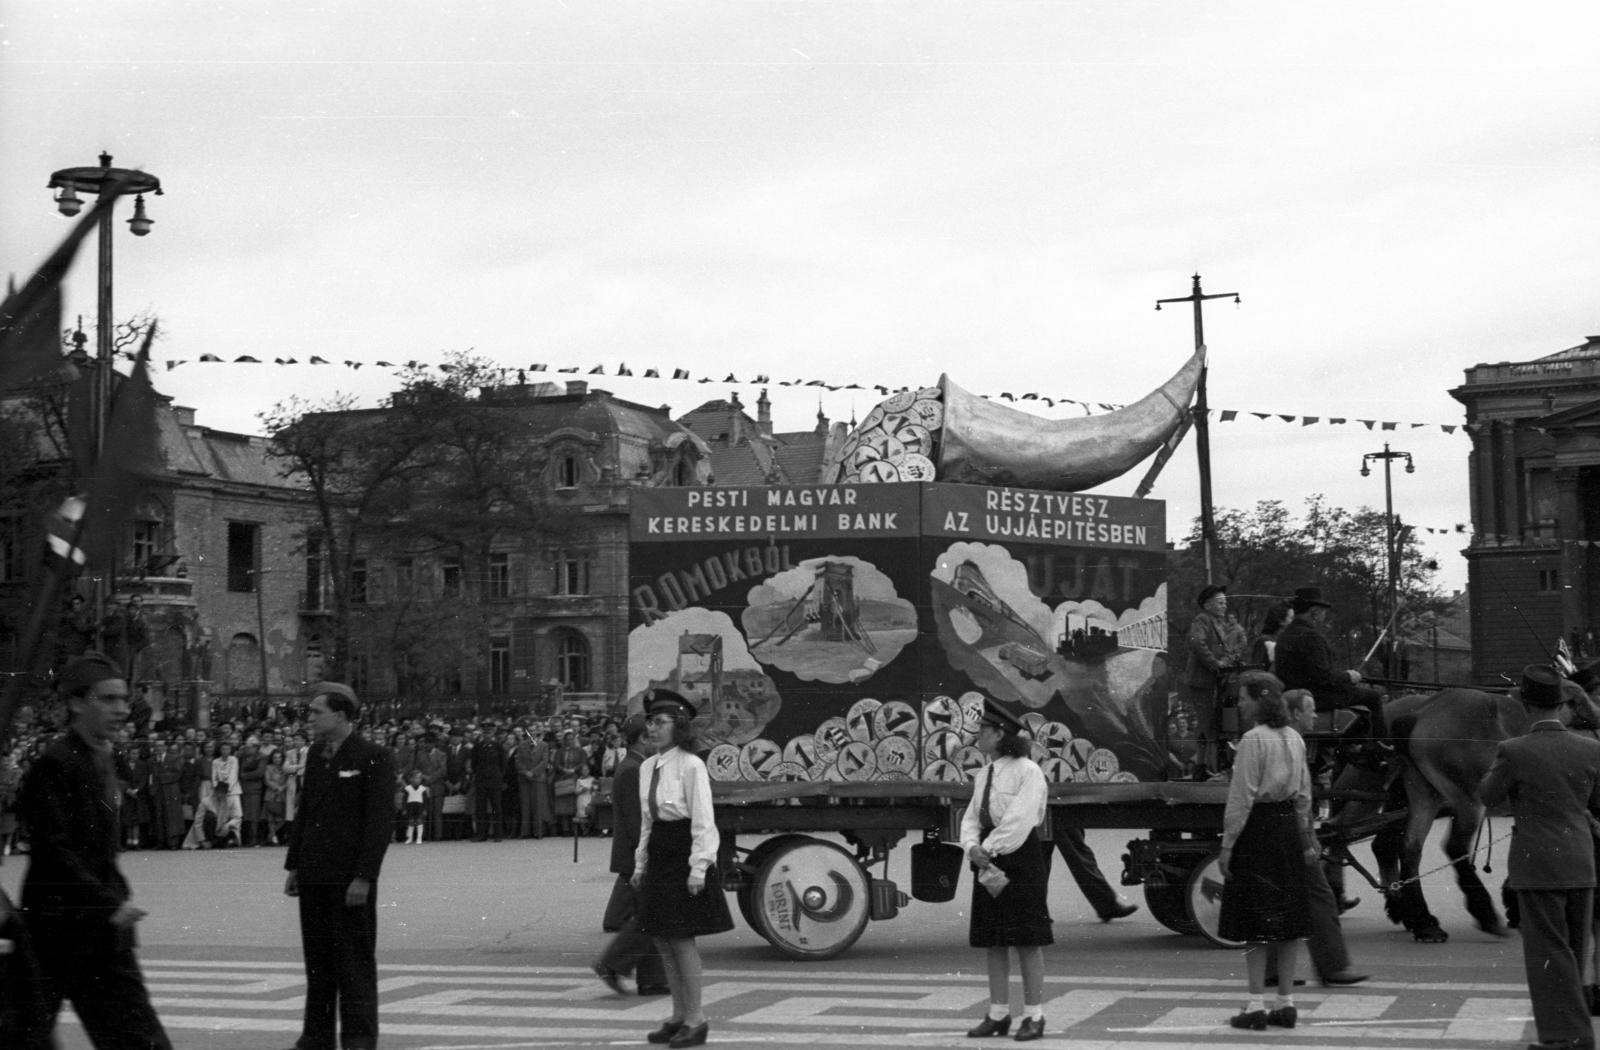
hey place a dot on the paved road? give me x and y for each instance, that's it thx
(487, 945)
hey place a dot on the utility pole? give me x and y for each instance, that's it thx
(1202, 431)
(1390, 547)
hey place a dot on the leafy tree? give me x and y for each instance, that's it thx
(435, 471)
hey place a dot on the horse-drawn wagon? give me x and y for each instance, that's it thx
(840, 640)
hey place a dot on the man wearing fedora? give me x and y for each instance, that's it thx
(1304, 660)
(1214, 650)
(1552, 779)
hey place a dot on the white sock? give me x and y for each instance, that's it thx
(1034, 1012)
(1283, 1000)
(999, 1011)
(1253, 1004)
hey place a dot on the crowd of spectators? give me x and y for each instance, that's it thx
(235, 783)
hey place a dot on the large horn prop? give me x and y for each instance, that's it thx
(985, 443)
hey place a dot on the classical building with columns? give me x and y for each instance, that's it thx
(1533, 565)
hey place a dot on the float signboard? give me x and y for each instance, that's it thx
(851, 632)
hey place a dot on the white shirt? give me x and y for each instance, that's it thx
(684, 793)
(1016, 805)
(227, 771)
(1270, 766)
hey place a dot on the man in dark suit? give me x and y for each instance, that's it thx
(75, 901)
(488, 775)
(1303, 658)
(1552, 778)
(342, 828)
(457, 776)
(630, 952)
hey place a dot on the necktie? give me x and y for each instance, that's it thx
(985, 821)
(655, 784)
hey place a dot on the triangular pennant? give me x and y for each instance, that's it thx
(383, 364)
(208, 358)
(1030, 397)
(537, 367)
(1389, 426)
(1229, 415)
(761, 379)
(174, 364)
(566, 371)
(730, 378)
(651, 373)
(680, 373)
(1262, 415)
(1306, 421)
(1448, 428)
(1367, 422)
(597, 370)
(623, 370)
(317, 360)
(1286, 419)
(1336, 420)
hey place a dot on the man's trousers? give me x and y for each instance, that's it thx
(630, 952)
(92, 966)
(1085, 869)
(340, 945)
(1555, 927)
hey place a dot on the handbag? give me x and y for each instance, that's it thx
(566, 786)
(454, 805)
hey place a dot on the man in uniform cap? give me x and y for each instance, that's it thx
(342, 830)
(1552, 778)
(76, 903)
(630, 953)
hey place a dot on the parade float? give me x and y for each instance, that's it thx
(840, 639)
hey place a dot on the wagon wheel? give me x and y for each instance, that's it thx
(1170, 907)
(809, 899)
(1203, 893)
(753, 861)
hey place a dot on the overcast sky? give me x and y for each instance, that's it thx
(856, 192)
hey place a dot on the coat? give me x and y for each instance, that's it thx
(488, 764)
(73, 884)
(252, 770)
(346, 814)
(1552, 778)
(166, 795)
(1210, 650)
(626, 815)
(1304, 660)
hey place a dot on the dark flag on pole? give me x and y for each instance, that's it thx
(129, 459)
(30, 319)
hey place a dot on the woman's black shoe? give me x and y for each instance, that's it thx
(1283, 1016)
(665, 1033)
(1254, 1020)
(1029, 1030)
(989, 1026)
(695, 1036)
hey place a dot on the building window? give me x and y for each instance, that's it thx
(244, 663)
(499, 575)
(680, 473)
(572, 573)
(450, 579)
(1549, 580)
(244, 555)
(313, 596)
(10, 548)
(500, 664)
(572, 661)
(146, 541)
(567, 472)
(358, 582)
(360, 673)
(405, 577)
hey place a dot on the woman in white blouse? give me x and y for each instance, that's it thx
(675, 866)
(1267, 841)
(999, 837)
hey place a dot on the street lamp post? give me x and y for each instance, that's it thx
(70, 182)
(1391, 549)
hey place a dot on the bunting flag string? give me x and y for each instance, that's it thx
(1226, 415)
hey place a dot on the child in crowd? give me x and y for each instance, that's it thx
(416, 802)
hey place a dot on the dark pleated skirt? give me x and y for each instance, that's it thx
(1264, 899)
(1020, 916)
(666, 908)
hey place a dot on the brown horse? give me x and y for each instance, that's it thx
(1445, 743)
